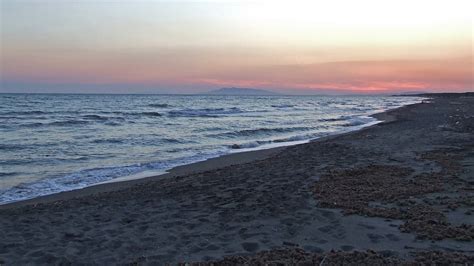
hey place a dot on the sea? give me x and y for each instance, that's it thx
(51, 143)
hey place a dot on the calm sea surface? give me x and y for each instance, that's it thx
(53, 143)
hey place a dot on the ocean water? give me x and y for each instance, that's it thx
(53, 143)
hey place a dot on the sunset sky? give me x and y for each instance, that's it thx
(360, 46)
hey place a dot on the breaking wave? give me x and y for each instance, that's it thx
(259, 131)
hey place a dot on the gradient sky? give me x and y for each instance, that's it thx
(193, 46)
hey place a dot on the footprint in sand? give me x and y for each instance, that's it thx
(392, 237)
(250, 246)
(347, 248)
(313, 249)
(374, 238)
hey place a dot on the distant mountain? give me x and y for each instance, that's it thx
(444, 94)
(240, 91)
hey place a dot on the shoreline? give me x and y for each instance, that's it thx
(186, 169)
(213, 163)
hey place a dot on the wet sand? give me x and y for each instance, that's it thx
(400, 191)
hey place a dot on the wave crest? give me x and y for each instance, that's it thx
(159, 105)
(260, 131)
(204, 112)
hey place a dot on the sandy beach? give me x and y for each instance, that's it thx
(401, 191)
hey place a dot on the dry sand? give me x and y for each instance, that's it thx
(399, 191)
